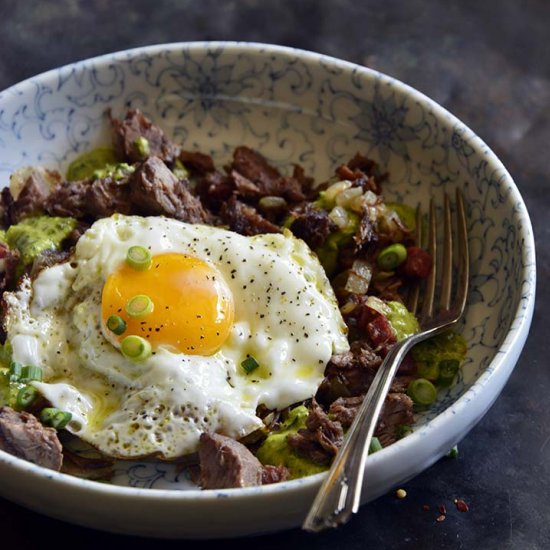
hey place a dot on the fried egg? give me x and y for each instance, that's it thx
(217, 300)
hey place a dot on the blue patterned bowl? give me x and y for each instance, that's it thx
(292, 106)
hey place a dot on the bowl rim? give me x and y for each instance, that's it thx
(515, 336)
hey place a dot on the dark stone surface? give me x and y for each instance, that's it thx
(488, 63)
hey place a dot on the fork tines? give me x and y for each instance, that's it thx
(445, 273)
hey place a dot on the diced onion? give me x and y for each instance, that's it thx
(377, 304)
(339, 216)
(359, 278)
(335, 189)
(345, 197)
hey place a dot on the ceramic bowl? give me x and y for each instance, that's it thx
(293, 107)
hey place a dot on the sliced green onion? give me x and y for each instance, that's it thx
(402, 431)
(139, 305)
(15, 371)
(116, 324)
(30, 373)
(250, 364)
(26, 396)
(448, 369)
(391, 257)
(375, 445)
(142, 146)
(453, 453)
(135, 348)
(422, 391)
(139, 258)
(55, 418)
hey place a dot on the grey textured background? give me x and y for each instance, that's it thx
(488, 63)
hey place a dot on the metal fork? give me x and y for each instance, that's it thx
(339, 495)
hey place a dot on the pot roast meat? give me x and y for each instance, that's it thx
(9, 260)
(266, 179)
(350, 373)
(226, 463)
(155, 191)
(97, 469)
(6, 201)
(32, 196)
(88, 199)
(245, 219)
(197, 163)
(134, 126)
(366, 232)
(312, 225)
(68, 199)
(274, 474)
(22, 435)
(320, 440)
(363, 171)
(396, 412)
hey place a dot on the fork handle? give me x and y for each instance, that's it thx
(340, 493)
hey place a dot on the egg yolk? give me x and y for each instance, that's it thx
(193, 307)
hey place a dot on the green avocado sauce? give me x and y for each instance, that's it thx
(434, 356)
(406, 213)
(85, 165)
(328, 252)
(34, 235)
(403, 322)
(275, 450)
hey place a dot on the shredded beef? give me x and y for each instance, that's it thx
(89, 199)
(345, 409)
(134, 126)
(397, 411)
(245, 219)
(312, 225)
(32, 196)
(9, 260)
(97, 469)
(197, 163)
(22, 435)
(321, 438)
(226, 463)
(265, 179)
(6, 201)
(366, 233)
(350, 373)
(154, 191)
(274, 474)
(363, 171)
(215, 189)
(68, 199)
(106, 196)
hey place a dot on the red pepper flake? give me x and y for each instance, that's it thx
(442, 509)
(425, 507)
(440, 518)
(461, 506)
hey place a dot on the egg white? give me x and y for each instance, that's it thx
(286, 317)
